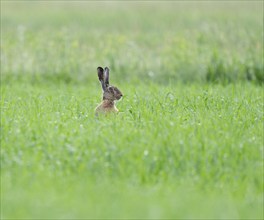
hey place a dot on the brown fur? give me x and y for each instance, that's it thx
(106, 106)
(110, 93)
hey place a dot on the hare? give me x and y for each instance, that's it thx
(110, 93)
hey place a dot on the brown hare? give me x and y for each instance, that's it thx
(110, 93)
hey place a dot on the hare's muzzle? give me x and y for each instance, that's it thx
(119, 96)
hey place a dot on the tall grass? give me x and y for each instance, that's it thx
(167, 144)
(188, 141)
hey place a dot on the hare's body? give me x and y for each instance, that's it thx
(110, 93)
(106, 106)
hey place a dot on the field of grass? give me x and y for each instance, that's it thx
(188, 141)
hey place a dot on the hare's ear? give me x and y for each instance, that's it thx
(106, 79)
(100, 72)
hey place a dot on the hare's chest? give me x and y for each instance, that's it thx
(105, 108)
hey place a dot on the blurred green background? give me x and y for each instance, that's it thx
(158, 41)
(188, 142)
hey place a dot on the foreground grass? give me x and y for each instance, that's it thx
(173, 151)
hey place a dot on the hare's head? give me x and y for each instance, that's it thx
(111, 93)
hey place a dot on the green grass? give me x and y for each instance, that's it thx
(170, 149)
(187, 42)
(188, 141)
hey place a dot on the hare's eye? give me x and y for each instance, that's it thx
(110, 89)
